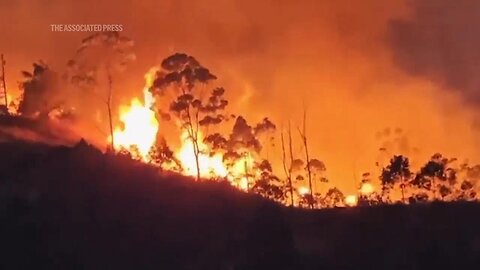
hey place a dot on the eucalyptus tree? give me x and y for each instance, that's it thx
(192, 106)
(99, 58)
(397, 171)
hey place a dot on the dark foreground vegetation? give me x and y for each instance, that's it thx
(76, 208)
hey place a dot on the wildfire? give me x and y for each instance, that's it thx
(240, 172)
(138, 134)
(209, 165)
(367, 188)
(140, 126)
(212, 164)
(351, 200)
(303, 190)
(12, 107)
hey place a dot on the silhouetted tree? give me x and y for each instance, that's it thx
(268, 185)
(162, 156)
(300, 171)
(4, 84)
(303, 135)
(467, 191)
(333, 198)
(101, 55)
(317, 169)
(396, 172)
(184, 75)
(466, 177)
(434, 171)
(287, 167)
(241, 147)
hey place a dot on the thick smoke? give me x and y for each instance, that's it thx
(348, 63)
(440, 41)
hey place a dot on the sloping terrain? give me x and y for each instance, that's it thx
(48, 131)
(77, 208)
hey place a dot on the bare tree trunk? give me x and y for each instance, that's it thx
(402, 186)
(288, 172)
(434, 189)
(246, 172)
(4, 84)
(193, 134)
(196, 149)
(197, 152)
(290, 149)
(109, 108)
(305, 144)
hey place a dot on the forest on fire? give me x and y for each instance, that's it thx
(181, 97)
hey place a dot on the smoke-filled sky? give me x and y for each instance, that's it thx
(358, 67)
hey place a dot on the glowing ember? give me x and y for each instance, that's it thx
(243, 184)
(303, 190)
(140, 125)
(351, 200)
(367, 189)
(12, 107)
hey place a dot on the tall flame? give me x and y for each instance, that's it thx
(140, 126)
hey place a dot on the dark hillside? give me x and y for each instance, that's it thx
(44, 130)
(422, 236)
(76, 208)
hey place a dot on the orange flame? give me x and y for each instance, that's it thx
(351, 200)
(209, 165)
(139, 132)
(212, 164)
(367, 188)
(303, 190)
(12, 106)
(140, 126)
